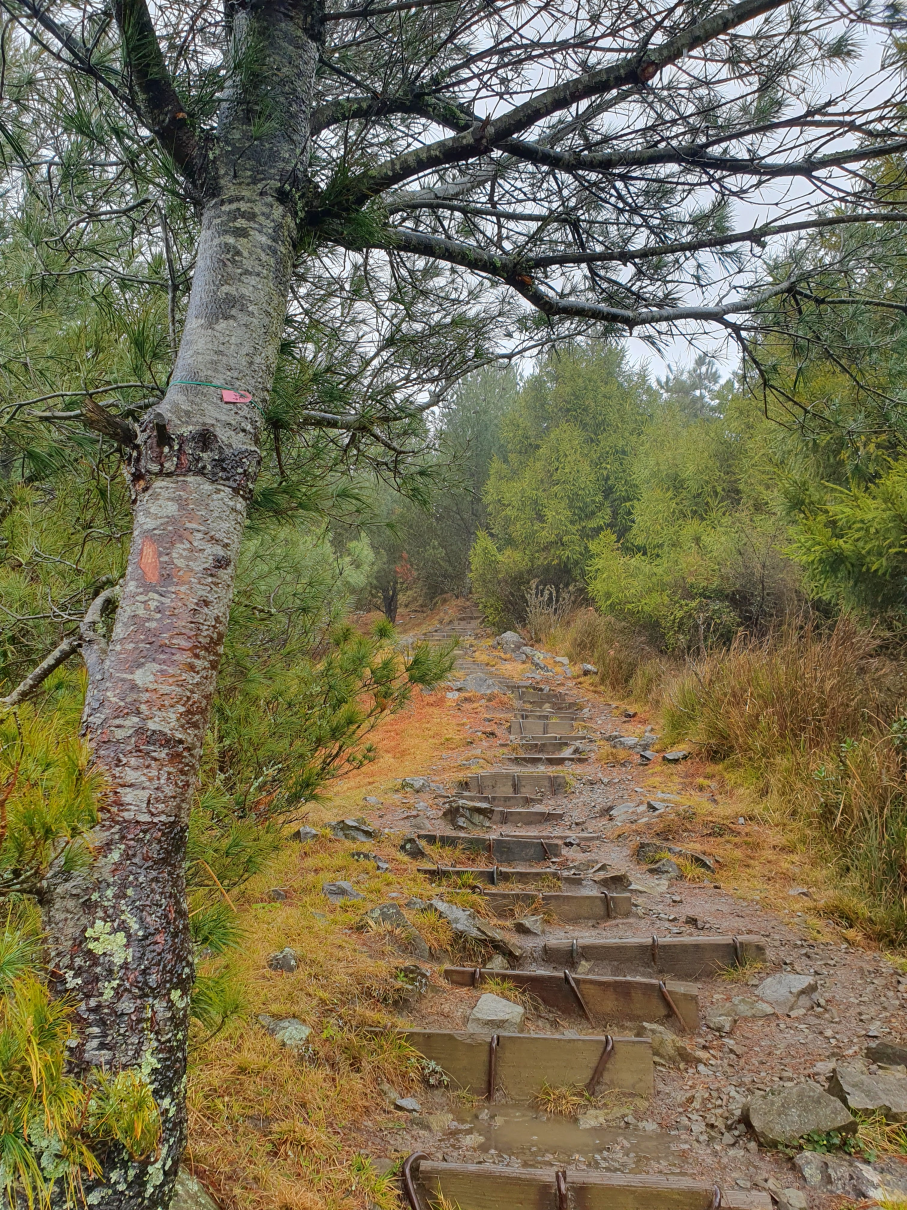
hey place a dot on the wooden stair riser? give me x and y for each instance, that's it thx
(681, 957)
(484, 1187)
(565, 906)
(524, 1063)
(606, 998)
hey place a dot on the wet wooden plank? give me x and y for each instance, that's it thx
(508, 801)
(510, 781)
(498, 848)
(616, 881)
(545, 726)
(515, 816)
(487, 1187)
(685, 957)
(565, 905)
(525, 1062)
(567, 757)
(608, 997)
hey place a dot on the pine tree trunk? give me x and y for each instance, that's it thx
(117, 929)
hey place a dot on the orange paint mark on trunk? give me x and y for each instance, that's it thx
(148, 561)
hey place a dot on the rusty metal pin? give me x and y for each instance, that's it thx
(574, 951)
(738, 951)
(716, 1199)
(669, 999)
(494, 875)
(654, 951)
(409, 1187)
(492, 1065)
(603, 1059)
(477, 976)
(560, 1184)
(571, 983)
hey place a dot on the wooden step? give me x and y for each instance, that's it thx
(528, 728)
(565, 905)
(508, 801)
(519, 816)
(599, 998)
(567, 757)
(494, 875)
(684, 957)
(548, 743)
(510, 781)
(517, 1067)
(498, 848)
(487, 1187)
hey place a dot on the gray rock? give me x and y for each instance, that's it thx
(787, 992)
(887, 1053)
(278, 894)
(391, 915)
(372, 801)
(305, 834)
(407, 1105)
(288, 1030)
(562, 660)
(418, 785)
(416, 905)
(653, 850)
(533, 926)
(338, 891)
(884, 1181)
(588, 669)
(411, 847)
(477, 682)
(285, 960)
(497, 962)
(883, 1093)
(748, 1006)
(785, 1115)
(666, 1047)
(190, 1194)
(721, 1021)
(674, 757)
(666, 868)
(792, 1199)
(380, 865)
(495, 1015)
(351, 829)
(465, 922)
(509, 640)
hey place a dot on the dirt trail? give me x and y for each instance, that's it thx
(615, 797)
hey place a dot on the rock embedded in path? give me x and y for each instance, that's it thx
(883, 1181)
(667, 1047)
(720, 1020)
(495, 1015)
(351, 829)
(418, 785)
(391, 915)
(648, 851)
(532, 926)
(887, 1053)
(748, 1006)
(666, 868)
(787, 992)
(290, 1031)
(675, 757)
(338, 891)
(411, 847)
(862, 1092)
(284, 960)
(783, 1116)
(465, 922)
(792, 1199)
(477, 682)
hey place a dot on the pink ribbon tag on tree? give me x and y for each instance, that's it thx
(236, 396)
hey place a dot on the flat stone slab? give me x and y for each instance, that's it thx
(787, 992)
(351, 829)
(860, 1091)
(782, 1116)
(338, 891)
(493, 1014)
(290, 1031)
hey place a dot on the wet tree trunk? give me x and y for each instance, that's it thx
(117, 930)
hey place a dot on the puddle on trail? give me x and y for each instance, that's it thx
(520, 1131)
